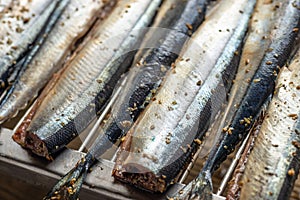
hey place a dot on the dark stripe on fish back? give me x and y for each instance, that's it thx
(207, 113)
(26, 56)
(262, 86)
(69, 131)
(168, 50)
(288, 184)
(21, 66)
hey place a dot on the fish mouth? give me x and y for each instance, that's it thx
(140, 177)
(32, 142)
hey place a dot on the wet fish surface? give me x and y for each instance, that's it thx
(262, 86)
(79, 94)
(234, 185)
(153, 61)
(51, 56)
(26, 23)
(257, 43)
(161, 142)
(278, 142)
(145, 77)
(5, 5)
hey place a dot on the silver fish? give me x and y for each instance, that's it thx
(74, 22)
(80, 92)
(141, 81)
(18, 32)
(278, 142)
(261, 87)
(166, 134)
(256, 44)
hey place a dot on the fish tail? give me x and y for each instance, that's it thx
(68, 187)
(202, 187)
(198, 189)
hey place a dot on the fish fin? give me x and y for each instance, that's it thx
(202, 187)
(198, 189)
(68, 187)
(70, 192)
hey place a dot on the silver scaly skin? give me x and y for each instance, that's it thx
(19, 30)
(74, 22)
(5, 5)
(78, 95)
(257, 43)
(261, 88)
(161, 142)
(278, 142)
(166, 40)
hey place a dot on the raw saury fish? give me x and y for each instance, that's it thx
(20, 28)
(75, 21)
(170, 22)
(85, 85)
(255, 47)
(163, 139)
(256, 44)
(278, 142)
(261, 87)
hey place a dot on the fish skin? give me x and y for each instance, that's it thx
(265, 86)
(262, 86)
(35, 48)
(256, 44)
(234, 185)
(277, 142)
(58, 45)
(4, 6)
(183, 109)
(80, 92)
(17, 36)
(141, 80)
(173, 23)
(262, 23)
